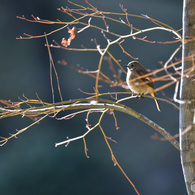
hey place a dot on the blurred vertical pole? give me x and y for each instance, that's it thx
(187, 95)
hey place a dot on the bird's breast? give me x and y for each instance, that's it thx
(137, 85)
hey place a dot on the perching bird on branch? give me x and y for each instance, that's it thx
(139, 84)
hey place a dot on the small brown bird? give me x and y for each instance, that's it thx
(141, 85)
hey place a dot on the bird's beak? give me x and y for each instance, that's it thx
(125, 65)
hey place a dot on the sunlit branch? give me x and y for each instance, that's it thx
(5, 140)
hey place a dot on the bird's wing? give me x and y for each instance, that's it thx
(147, 79)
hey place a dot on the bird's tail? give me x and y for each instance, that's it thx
(156, 101)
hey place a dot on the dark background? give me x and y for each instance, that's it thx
(31, 164)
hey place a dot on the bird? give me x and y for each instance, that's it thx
(139, 85)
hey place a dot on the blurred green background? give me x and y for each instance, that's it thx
(31, 164)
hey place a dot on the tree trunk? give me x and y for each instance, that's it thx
(187, 94)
